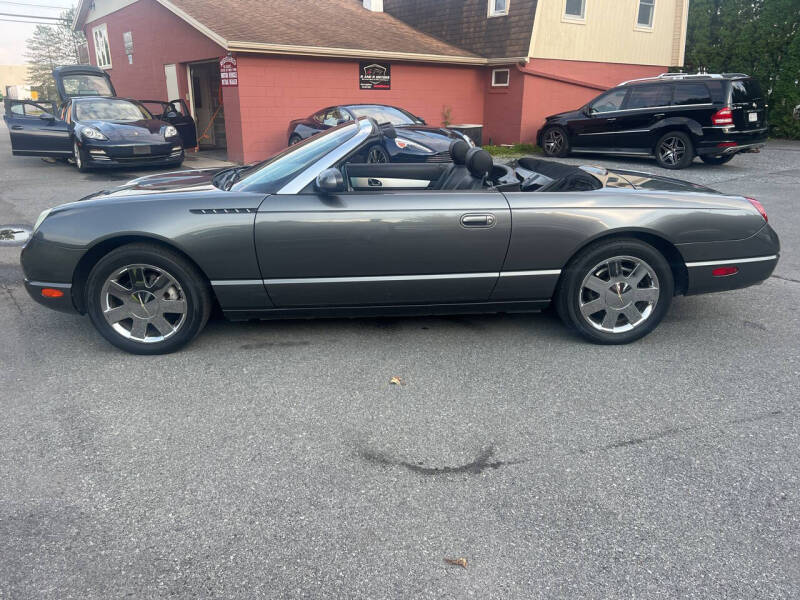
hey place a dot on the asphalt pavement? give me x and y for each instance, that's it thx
(276, 459)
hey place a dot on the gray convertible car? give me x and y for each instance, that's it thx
(316, 231)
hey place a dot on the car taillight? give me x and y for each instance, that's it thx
(724, 116)
(759, 207)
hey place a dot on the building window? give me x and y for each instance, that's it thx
(102, 51)
(500, 77)
(575, 10)
(498, 8)
(644, 18)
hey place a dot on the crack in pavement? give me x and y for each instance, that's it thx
(481, 463)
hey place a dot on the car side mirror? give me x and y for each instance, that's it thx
(330, 181)
(47, 117)
(389, 131)
(171, 114)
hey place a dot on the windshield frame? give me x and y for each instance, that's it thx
(78, 101)
(296, 181)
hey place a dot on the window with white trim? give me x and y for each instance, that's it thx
(102, 51)
(500, 77)
(644, 17)
(575, 10)
(498, 8)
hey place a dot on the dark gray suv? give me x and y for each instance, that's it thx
(673, 118)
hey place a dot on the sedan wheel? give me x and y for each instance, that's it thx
(79, 156)
(147, 299)
(615, 292)
(377, 154)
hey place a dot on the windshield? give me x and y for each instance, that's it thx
(269, 176)
(86, 85)
(386, 114)
(110, 110)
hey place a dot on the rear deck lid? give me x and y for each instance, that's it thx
(82, 80)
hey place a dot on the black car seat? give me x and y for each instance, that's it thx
(458, 170)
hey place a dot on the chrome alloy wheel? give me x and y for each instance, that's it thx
(672, 150)
(553, 141)
(76, 154)
(377, 155)
(143, 303)
(619, 294)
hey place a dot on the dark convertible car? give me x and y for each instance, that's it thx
(95, 128)
(416, 141)
(315, 232)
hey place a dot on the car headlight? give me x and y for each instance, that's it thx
(170, 131)
(93, 134)
(41, 218)
(404, 143)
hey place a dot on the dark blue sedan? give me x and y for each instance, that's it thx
(415, 141)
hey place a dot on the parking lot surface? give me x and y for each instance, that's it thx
(277, 460)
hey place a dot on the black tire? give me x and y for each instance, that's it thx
(79, 157)
(295, 139)
(555, 141)
(377, 154)
(187, 284)
(716, 160)
(674, 150)
(573, 298)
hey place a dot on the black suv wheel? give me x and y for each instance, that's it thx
(555, 141)
(674, 150)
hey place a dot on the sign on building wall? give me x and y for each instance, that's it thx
(228, 72)
(375, 76)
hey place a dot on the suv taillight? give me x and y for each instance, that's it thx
(723, 116)
(759, 207)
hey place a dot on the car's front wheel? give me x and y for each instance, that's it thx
(717, 160)
(674, 150)
(555, 141)
(80, 157)
(146, 299)
(615, 292)
(377, 154)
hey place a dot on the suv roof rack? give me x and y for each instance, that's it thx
(687, 76)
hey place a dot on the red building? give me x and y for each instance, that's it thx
(505, 64)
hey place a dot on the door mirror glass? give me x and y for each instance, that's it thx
(171, 114)
(330, 181)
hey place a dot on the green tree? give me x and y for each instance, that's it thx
(757, 37)
(49, 47)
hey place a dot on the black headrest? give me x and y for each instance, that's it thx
(458, 151)
(479, 162)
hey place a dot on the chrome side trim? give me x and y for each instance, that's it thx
(530, 273)
(378, 278)
(390, 182)
(58, 286)
(732, 261)
(616, 132)
(296, 185)
(224, 282)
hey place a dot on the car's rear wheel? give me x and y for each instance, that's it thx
(615, 292)
(555, 141)
(717, 160)
(376, 154)
(80, 157)
(147, 299)
(294, 139)
(674, 150)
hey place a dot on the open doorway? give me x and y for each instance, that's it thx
(207, 107)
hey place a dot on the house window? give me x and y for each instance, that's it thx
(102, 51)
(644, 18)
(500, 77)
(498, 8)
(575, 10)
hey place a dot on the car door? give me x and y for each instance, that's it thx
(391, 245)
(596, 129)
(645, 106)
(177, 113)
(35, 130)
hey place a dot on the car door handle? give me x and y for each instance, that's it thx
(659, 116)
(482, 220)
(611, 120)
(17, 127)
(372, 182)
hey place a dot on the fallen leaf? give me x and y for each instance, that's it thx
(396, 381)
(457, 562)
